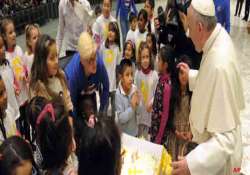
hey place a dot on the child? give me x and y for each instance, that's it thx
(55, 139)
(127, 100)
(47, 79)
(133, 24)
(141, 32)
(100, 150)
(111, 57)
(145, 80)
(129, 53)
(32, 34)
(179, 134)
(34, 108)
(124, 7)
(151, 42)
(86, 117)
(7, 124)
(14, 55)
(98, 11)
(149, 7)
(162, 97)
(100, 27)
(16, 157)
(8, 78)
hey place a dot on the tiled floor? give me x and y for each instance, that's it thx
(242, 43)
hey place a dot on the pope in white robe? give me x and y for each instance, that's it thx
(215, 105)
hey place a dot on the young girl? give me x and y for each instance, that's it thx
(34, 108)
(129, 51)
(151, 42)
(7, 124)
(55, 139)
(8, 78)
(16, 157)
(162, 97)
(14, 55)
(146, 80)
(32, 34)
(179, 130)
(111, 58)
(47, 79)
(100, 27)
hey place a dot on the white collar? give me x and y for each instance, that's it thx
(132, 90)
(210, 41)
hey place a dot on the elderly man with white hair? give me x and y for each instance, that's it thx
(86, 73)
(217, 98)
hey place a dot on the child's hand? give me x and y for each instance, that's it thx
(91, 121)
(17, 90)
(187, 136)
(25, 79)
(149, 107)
(135, 100)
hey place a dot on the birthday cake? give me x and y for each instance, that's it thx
(140, 157)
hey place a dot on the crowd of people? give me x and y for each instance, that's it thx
(138, 79)
(10, 7)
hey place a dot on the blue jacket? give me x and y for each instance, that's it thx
(78, 82)
(222, 8)
(124, 7)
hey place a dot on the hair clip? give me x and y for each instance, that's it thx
(48, 108)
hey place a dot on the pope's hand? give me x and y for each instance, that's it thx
(184, 69)
(180, 167)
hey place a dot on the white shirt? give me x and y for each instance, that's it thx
(111, 59)
(16, 61)
(8, 79)
(215, 108)
(146, 84)
(130, 35)
(28, 61)
(100, 28)
(70, 25)
(138, 38)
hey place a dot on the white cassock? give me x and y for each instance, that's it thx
(215, 109)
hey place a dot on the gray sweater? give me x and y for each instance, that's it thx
(126, 115)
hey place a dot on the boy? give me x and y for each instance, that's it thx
(133, 24)
(127, 100)
(100, 27)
